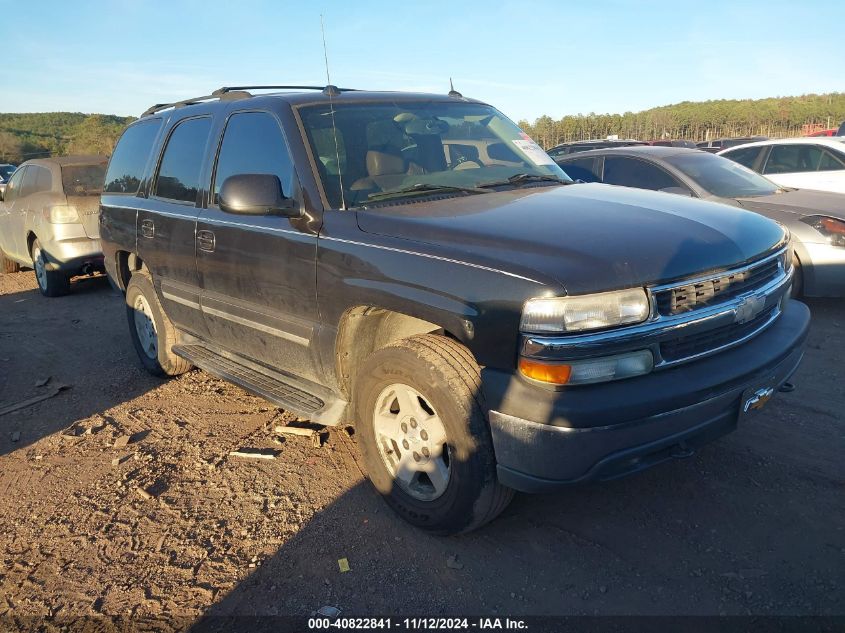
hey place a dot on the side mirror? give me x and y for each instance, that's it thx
(256, 194)
(680, 191)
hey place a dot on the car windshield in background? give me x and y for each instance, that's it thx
(721, 176)
(6, 171)
(396, 150)
(83, 180)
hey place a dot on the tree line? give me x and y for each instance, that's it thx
(775, 117)
(37, 135)
(43, 134)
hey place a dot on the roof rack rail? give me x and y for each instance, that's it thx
(326, 89)
(231, 93)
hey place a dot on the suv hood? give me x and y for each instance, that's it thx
(585, 237)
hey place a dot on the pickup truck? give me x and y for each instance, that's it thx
(416, 266)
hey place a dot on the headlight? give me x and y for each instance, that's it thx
(585, 312)
(588, 370)
(832, 228)
(61, 214)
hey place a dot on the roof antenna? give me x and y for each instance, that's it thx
(452, 92)
(332, 91)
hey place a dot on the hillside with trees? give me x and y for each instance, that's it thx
(37, 135)
(775, 117)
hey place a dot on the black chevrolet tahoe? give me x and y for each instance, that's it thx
(416, 266)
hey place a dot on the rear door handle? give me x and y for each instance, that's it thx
(205, 241)
(148, 228)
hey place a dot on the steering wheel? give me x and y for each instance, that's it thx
(462, 162)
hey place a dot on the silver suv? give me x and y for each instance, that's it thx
(49, 219)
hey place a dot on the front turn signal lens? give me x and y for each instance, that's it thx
(552, 373)
(589, 370)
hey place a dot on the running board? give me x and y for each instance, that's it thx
(295, 395)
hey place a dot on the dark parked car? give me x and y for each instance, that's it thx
(486, 324)
(6, 171)
(584, 146)
(816, 219)
(719, 144)
(674, 143)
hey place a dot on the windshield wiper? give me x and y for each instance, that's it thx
(520, 179)
(421, 188)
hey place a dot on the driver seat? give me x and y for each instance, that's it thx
(385, 169)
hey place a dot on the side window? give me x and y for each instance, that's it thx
(830, 162)
(30, 179)
(746, 156)
(43, 180)
(630, 172)
(785, 159)
(581, 169)
(126, 168)
(14, 187)
(179, 173)
(253, 143)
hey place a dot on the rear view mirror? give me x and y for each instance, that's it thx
(256, 194)
(680, 191)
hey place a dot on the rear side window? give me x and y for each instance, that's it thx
(786, 159)
(179, 172)
(43, 179)
(581, 169)
(37, 179)
(630, 172)
(126, 169)
(830, 162)
(746, 156)
(253, 144)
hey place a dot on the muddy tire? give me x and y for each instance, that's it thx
(423, 431)
(7, 265)
(51, 283)
(152, 333)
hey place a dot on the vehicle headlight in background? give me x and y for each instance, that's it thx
(832, 228)
(61, 214)
(583, 313)
(588, 370)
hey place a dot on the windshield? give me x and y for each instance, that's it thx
(379, 148)
(721, 176)
(6, 171)
(83, 180)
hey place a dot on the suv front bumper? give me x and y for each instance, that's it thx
(545, 439)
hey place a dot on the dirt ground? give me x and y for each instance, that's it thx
(172, 526)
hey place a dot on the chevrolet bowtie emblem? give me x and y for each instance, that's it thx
(760, 397)
(748, 308)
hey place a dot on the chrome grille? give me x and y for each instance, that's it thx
(686, 347)
(702, 293)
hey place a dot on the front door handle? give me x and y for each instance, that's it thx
(148, 228)
(205, 241)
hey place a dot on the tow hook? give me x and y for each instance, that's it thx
(682, 451)
(786, 387)
(87, 269)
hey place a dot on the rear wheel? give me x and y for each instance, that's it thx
(51, 283)
(424, 435)
(152, 333)
(7, 265)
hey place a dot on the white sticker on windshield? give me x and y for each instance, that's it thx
(534, 152)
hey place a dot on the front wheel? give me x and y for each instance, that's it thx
(152, 333)
(51, 283)
(424, 435)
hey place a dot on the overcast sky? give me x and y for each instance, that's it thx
(526, 57)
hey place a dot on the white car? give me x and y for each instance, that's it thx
(805, 163)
